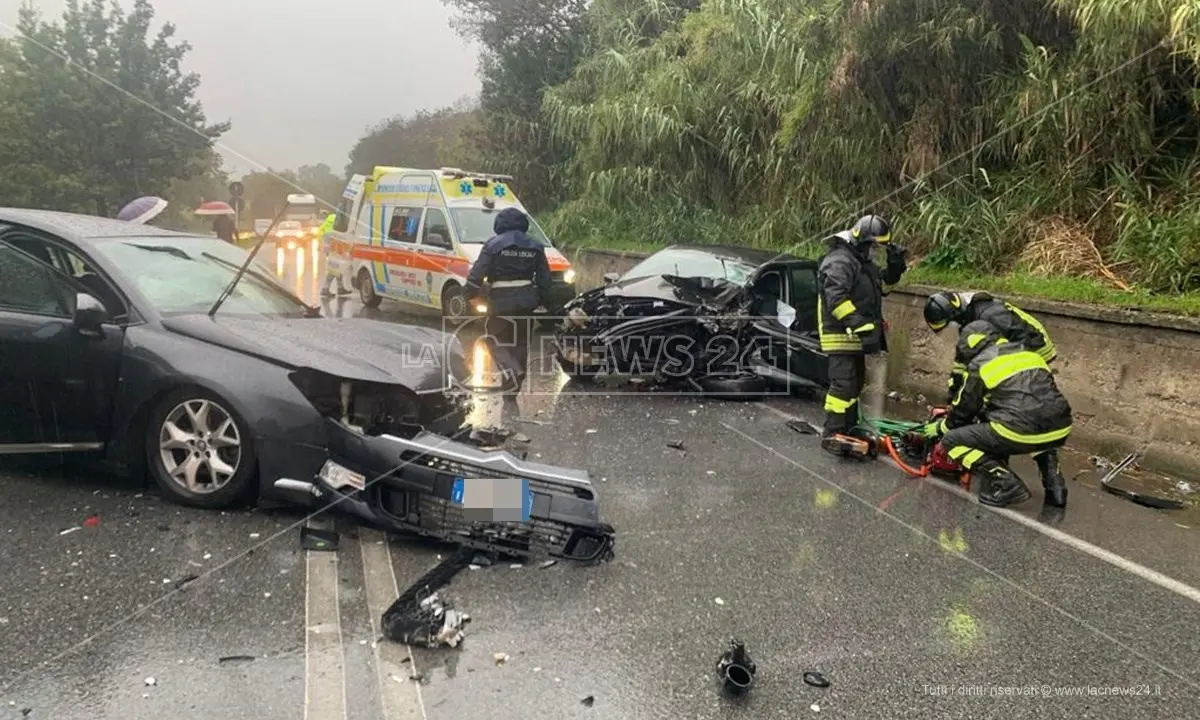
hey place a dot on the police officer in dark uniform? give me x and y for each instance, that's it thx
(850, 314)
(514, 268)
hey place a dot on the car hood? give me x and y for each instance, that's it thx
(419, 358)
(670, 288)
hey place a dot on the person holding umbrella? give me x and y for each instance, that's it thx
(223, 224)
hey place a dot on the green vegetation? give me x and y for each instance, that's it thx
(1014, 143)
(117, 120)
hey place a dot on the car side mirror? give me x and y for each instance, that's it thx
(90, 314)
(610, 278)
(437, 239)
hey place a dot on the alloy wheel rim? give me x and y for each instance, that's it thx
(458, 306)
(200, 446)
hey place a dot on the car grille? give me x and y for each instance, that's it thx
(558, 275)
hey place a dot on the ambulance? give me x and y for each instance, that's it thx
(411, 236)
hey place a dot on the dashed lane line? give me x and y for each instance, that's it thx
(324, 659)
(395, 664)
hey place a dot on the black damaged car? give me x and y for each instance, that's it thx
(723, 320)
(111, 344)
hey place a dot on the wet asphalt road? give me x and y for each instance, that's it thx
(913, 600)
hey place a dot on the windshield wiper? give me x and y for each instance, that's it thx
(309, 309)
(262, 238)
(168, 249)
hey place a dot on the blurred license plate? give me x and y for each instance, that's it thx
(493, 499)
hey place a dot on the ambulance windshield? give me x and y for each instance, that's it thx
(474, 226)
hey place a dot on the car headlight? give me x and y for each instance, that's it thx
(569, 276)
(338, 477)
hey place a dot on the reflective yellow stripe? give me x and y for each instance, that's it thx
(843, 309)
(869, 327)
(884, 239)
(1048, 352)
(838, 405)
(937, 326)
(965, 456)
(840, 342)
(1039, 439)
(999, 369)
(974, 339)
(971, 458)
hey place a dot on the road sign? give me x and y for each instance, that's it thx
(238, 203)
(237, 189)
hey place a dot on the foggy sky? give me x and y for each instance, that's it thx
(302, 79)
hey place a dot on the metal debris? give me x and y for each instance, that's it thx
(803, 427)
(677, 445)
(420, 616)
(235, 659)
(815, 679)
(1150, 501)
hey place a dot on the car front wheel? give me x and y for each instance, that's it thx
(199, 452)
(366, 289)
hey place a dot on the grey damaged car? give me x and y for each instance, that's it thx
(109, 347)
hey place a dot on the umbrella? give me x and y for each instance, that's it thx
(142, 210)
(215, 207)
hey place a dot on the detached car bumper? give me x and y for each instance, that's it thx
(414, 485)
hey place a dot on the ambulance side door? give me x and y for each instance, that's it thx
(403, 224)
(437, 248)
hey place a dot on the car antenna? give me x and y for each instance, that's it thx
(262, 237)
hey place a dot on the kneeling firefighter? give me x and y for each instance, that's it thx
(517, 274)
(850, 314)
(1007, 405)
(1013, 324)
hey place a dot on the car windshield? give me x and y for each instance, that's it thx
(187, 274)
(474, 226)
(692, 264)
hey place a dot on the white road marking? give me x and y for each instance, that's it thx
(969, 560)
(324, 659)
(400, 696)
(1117, 561)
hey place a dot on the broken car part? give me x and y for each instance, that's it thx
(726, 321)
(420, 616)
(414, 485)
(318, 540)
(1150, 501)
(815, 679)
(735, 669)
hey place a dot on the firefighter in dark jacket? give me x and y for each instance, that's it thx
(850, 313)
(1008, 405)
(1013, 324)
(514, 268)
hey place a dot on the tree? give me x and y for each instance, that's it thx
(427, 139)
(97, 110)
(528, 46)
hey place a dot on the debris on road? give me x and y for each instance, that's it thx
(235, 659)
(490, 436)
(530, 421)
(1145, 500)
(676, 445)
(548, 563)
(521, 438)
(254, 536)
(590, 431)
(588, 701)
(151, 682)
(803, 427)
(420, 616)
(735, 669)
(318, 540)
(185, 580)
(92, 521)
(68, 531)
(481, 560)
(719, 601)
(815, 707)
(500, 658)
(815, 679)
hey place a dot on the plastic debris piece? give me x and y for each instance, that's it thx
(676, 445)
(735, 669)
(515, 566)
(803, 427)
(500, 658)
(235, 659)
(537, 669)
(815, 707)
(671, 421)
(151, 682)
(591, 431)
(719, 601)
(208, 556)
(254, 536)
(521, 438)
(548, 563)
(473, 566)
(588, 701)
(68, 531)
(710, 472)
(185, 580)
(318, 540)
(815, 679)
(266, 594)
(92, 521)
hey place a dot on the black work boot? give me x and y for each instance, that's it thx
(1053, 482)
(1001, 487)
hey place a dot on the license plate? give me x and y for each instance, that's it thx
(493, 499)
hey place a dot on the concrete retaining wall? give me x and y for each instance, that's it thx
(1133, 378)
